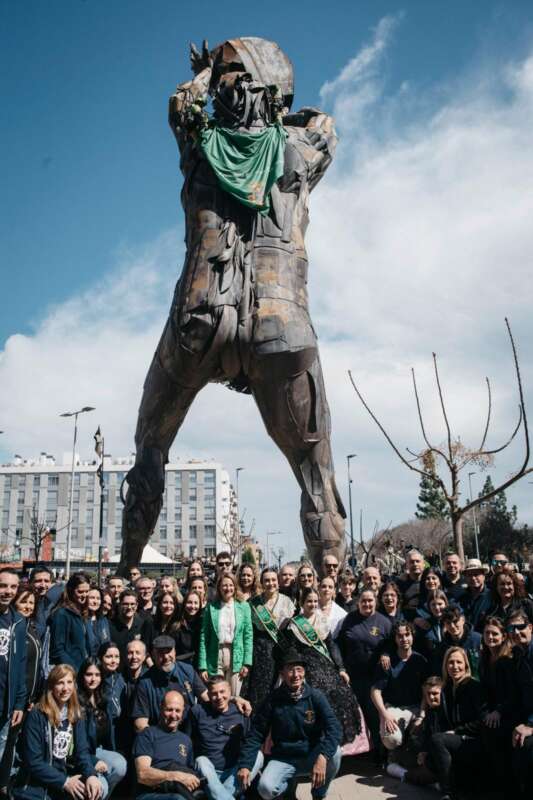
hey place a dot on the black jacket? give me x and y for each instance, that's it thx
(463, 707)
(499, 682)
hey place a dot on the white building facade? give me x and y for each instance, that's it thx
(193, 521)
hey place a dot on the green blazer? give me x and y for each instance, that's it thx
(243, 640)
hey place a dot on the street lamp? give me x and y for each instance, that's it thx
(74, 414)
(474, 514)
(352, 546)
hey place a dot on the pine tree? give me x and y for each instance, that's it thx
(431, 501)
(496, 530)
(248, 556)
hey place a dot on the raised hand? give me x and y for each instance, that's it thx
(199, 61)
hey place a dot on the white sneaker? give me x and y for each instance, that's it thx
(395, 771)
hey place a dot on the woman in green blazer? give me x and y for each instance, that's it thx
(226, 638)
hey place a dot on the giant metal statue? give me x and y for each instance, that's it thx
(240, 312)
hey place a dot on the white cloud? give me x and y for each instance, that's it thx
(420, 240)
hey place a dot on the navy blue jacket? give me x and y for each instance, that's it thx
(476, 608)
(97, 632)
(299, 729)
(155, 683)
(16, 666)
(89, 723)
(46, 605)
(38, 776)
(68, 638)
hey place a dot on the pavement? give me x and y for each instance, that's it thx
(360, 780)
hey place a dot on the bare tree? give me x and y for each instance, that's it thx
(453, 455)
(39, 533)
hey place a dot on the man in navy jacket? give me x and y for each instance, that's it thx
(305, 733)
(12, 657)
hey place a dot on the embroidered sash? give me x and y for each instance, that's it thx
(311, 636)
(265, 618)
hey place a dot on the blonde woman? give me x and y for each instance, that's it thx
(331, 611)
(54, 731)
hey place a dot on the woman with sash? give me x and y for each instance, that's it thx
(308, 632)
(270, 610)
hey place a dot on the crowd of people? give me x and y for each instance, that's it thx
(247, 681)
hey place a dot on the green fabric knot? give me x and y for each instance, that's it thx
(246, 164)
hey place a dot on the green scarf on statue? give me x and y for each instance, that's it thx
(246, 164)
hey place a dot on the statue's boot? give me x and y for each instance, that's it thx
(324, 535)
(142, 504)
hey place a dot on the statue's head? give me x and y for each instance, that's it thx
(246, 73)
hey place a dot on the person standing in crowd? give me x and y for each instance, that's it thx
(113, 682)
(287, 581)
(108, 609)
(199, 585)
(115, 587)
(128, 625)
(194, 570)
(305, 736)
(390, 602)
(330, 567)
(56, 761)
(520, 631)
(371, 579)
(187, 630)
(133, 671)
(462, 706)
(167, 613)
(476, 601)
(247, 582)
(430, 581)
(96, 624)
(12, 665)
(345, 597)
(498, 562)
(165, 674)
(48, 594)
(219, 730)
(457, 633)
(361, 639)
(409, 584)
(333, 613)
(269, 611)
(508, 595)
(133, 575)
(164, 755)
(144, 587)
(306, 578)
(428, 623)
(25, 603)
(97, 715)
(68, 636)
(397, 692)
(226, 637)
(453, 582)
(169, 585)
(223, 564)
(308, 633)
(498, 679)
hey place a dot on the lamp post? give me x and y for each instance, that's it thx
(474, 514)
(352, 545)
(237, 470)
(74, 414)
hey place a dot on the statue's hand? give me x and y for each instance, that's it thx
(199, 61)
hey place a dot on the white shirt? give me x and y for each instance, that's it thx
(226, 623)
(334, 618)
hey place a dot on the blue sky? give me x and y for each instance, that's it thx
(91, 206)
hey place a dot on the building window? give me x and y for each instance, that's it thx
(53, 480)
(192, 494)
(192, 531)
(162, 534)
(192, 478)
(51, 500)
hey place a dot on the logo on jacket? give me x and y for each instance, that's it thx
(182, 750)
(5, 635)
(374, 631)
(62, 741)
(309, 716)
(188, 686)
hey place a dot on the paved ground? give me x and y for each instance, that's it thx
(359, 780)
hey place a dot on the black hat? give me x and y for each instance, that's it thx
(292, 656)
(162, 642)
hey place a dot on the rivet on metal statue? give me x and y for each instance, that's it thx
(240, 310)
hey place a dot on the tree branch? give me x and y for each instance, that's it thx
(489, 411)
(443, 407)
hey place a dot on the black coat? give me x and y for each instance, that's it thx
(501, 691)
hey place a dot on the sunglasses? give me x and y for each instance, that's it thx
(519, 626)
(306, 574)
(224, 563)
(332, 566)
(499, 563)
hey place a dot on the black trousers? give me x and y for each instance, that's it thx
(523, 765)
(447, 751)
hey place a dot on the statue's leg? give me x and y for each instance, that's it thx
(185, 360)
(289, 391)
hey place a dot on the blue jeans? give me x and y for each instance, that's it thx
(222, 784)
(116, 767)
(278, 774)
